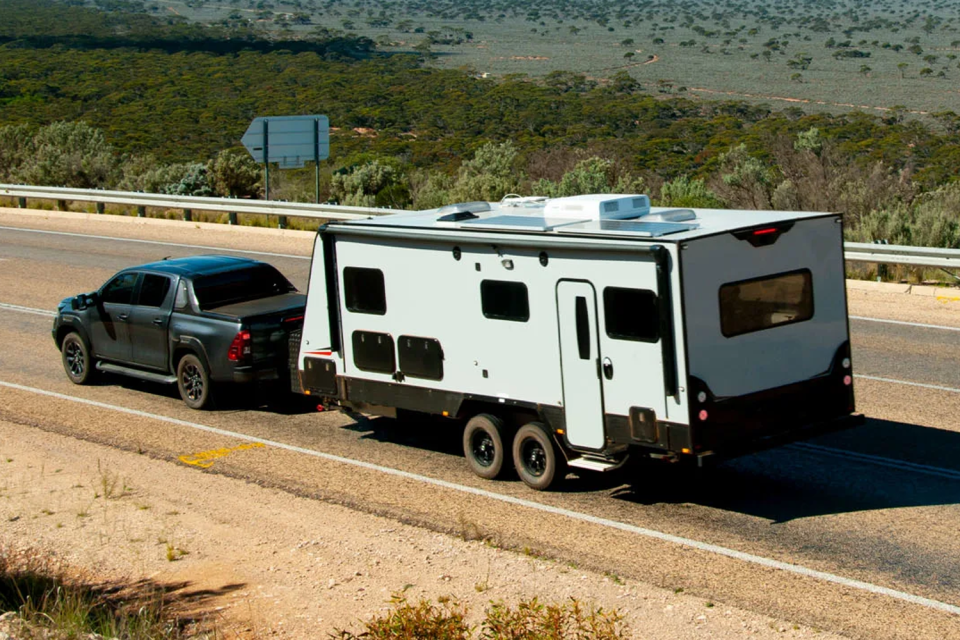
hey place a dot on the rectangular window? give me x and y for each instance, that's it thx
(120, 289)
(420, 357)
(240, 285)
(364, 291)
(374, 352)
(502, 300)
(762, 303)
(153, 290)
(631, 314)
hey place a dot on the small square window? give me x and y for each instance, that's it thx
(631, 314)
(364, 290)
(503, 300)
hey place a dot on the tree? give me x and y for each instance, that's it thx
(745, 180)
(372, 184)
(69, 154)
(490, 175)
(865, 70)
(902, 66)
(685, 192)
(233, 173)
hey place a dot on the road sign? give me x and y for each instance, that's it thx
(290, 141)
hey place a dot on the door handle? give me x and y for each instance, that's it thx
(123, 317)
(607, 369)
(158, 321)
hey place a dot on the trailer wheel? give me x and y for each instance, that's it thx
(483, 445)
(540, 465)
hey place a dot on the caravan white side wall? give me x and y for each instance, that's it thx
(432, 295)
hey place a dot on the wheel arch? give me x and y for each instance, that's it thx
(65, 329)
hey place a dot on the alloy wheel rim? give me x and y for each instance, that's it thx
(483, 447)
(534, 457)
(75, 360)
(192, 382)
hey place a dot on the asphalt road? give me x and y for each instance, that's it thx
(877, 504)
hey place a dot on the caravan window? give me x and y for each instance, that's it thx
(762, 303)
(503, 300)
(364, 291)
(631, 314)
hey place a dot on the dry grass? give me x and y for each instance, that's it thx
(529, 620)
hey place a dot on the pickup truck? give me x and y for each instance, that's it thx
(195, 322)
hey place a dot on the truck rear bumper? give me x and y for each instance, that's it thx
(248, 375)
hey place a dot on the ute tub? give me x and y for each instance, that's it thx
(727, 427)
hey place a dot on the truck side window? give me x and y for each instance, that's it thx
(762, 303)
(502, 300)
(120, 289)
(631, 314)
(364, 290)
(183, 300)
(153, 290)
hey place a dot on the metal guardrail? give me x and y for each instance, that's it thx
(900, 254)
(853, 251)
(232, 206)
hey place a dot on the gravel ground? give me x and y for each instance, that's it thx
(259, 562)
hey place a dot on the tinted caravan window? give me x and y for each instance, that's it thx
(763, 303)
(631, 314)
(364, 291)
(503, 300)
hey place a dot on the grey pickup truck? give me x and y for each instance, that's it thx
(193, 322)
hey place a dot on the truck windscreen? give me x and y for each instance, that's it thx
(240, 285)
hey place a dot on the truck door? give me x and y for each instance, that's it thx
(580, 364)
(149, 319)
(109, 330)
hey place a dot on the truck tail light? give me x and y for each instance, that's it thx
(241, 348)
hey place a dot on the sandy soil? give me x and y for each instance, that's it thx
(258, 562)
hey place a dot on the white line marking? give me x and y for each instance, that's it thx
(908, 324)
(39, 312)
(530, 504)
(165, 244)
(935, 387)
(903, 465)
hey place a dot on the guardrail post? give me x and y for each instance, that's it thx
(281, 222)
(232, 217)
(61, 205)
(101, 207)
(22, 203)
(188, 215)
(141, 211)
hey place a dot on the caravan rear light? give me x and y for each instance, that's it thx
(845, 363)
(703, 414)
(241, 348)
(702, 397)
(763, 232)
(847, 380)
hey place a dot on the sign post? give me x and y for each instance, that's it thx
(289, 141)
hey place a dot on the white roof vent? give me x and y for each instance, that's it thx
(598, 207)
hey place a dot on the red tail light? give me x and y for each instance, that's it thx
(241, 348)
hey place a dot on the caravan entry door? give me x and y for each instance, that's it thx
(580, 363)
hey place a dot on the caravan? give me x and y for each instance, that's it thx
(580, 331)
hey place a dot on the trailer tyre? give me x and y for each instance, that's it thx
(483, 445)
(77, 363)
(539, 462)
(193, 382)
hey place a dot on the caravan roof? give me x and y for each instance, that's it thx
(614, 216)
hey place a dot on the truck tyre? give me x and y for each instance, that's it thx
(77, 363)
(193, 382)
(483, 446)
(539, 463)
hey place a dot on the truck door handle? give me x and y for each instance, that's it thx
(607, 369)
(158, 321)
(123, 317)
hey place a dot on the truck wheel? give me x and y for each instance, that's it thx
(77, 362)
(193, 382)
(539, 464)
(483, 445)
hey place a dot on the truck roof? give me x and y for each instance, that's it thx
(197, 265)
(609, 216)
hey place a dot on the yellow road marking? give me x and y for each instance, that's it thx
(205, 459)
